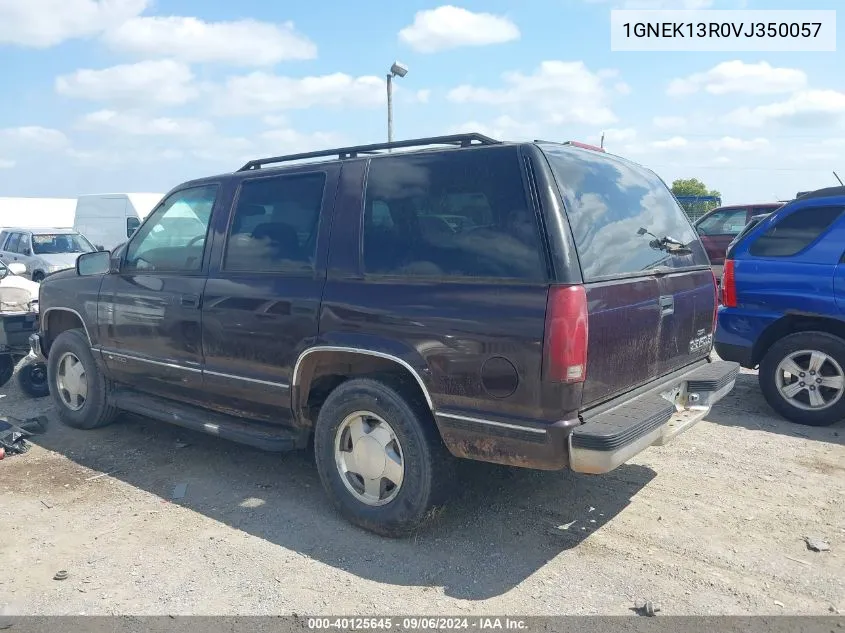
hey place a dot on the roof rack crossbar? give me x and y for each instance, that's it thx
(463, 140)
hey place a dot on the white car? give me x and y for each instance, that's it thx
(17, 293)
(43, 251)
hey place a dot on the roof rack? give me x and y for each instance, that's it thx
(462, 140)
(821, 193)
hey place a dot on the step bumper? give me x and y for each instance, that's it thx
(609, 439)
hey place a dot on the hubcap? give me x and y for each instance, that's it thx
(71, 381)
(369, 458)
(810, 380)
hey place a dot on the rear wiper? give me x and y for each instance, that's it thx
(674, 246)
(666, 243)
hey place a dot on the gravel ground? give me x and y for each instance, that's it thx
(713, 523)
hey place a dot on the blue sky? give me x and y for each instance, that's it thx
(138, 95)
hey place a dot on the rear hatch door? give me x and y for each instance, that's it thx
(650, 291)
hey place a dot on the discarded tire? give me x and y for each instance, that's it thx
(32, 379)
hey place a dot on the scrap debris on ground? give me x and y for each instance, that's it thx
(13, 434)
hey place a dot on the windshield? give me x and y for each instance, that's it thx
(57, 243)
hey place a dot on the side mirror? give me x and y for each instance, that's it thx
(16, 268)
(26, 252)
(96, 263)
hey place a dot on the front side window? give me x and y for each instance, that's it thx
(58, 243)
(727, 222)
(795, 232)
(173, 237)
(274, 227)
(461, 214)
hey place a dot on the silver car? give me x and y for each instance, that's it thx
(43, 251)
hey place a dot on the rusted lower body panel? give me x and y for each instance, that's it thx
(539, 448)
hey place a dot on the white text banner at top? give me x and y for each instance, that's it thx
(796, 30)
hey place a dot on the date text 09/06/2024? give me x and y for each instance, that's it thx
(417, 624)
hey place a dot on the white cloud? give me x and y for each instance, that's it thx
(732, 144)
(423, 96)
(291, 141)
(738, 77)
(163, 82)
(502, 128)
(134, 124)
(188, 39)
(619, 135)
(45, 23)
(261, 92)
(676, 142)
(559, 92)
(657, 4)
(449, 27)
(5, 163)
(807, 108)
(33, 136)
(668, 122)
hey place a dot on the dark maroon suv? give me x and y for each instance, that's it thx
(539, 304)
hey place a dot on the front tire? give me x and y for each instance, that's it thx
(802, 377)
(32, 379)
(38, 276)
(80, 391)
(380, 458)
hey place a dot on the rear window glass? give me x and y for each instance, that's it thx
(795, 232)
(461, 214)
(621, 215)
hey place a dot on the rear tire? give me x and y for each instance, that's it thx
(813, 393)
(38, 277)
(32, 379)
(397, 439)
(80, 391)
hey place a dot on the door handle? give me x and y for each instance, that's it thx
(667, 304)
(190, 301)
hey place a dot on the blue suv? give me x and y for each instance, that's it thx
(783, 307)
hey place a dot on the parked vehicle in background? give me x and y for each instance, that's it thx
(18, 321)
(110, 219)
(719, 227)
(402, 309)
(754, 221)
(783, 296)
(43, 251)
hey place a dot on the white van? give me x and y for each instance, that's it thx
(109, 219)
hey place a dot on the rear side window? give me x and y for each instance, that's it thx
(795, 232)
(275, 224)
(460, 214)
(621, 215)
(727, 222)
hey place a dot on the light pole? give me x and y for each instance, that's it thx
(396, 70)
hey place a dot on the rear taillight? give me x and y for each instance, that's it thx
(729, 284)
(716, 293)
(565, 344)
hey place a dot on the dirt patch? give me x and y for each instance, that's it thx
(713, 523)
